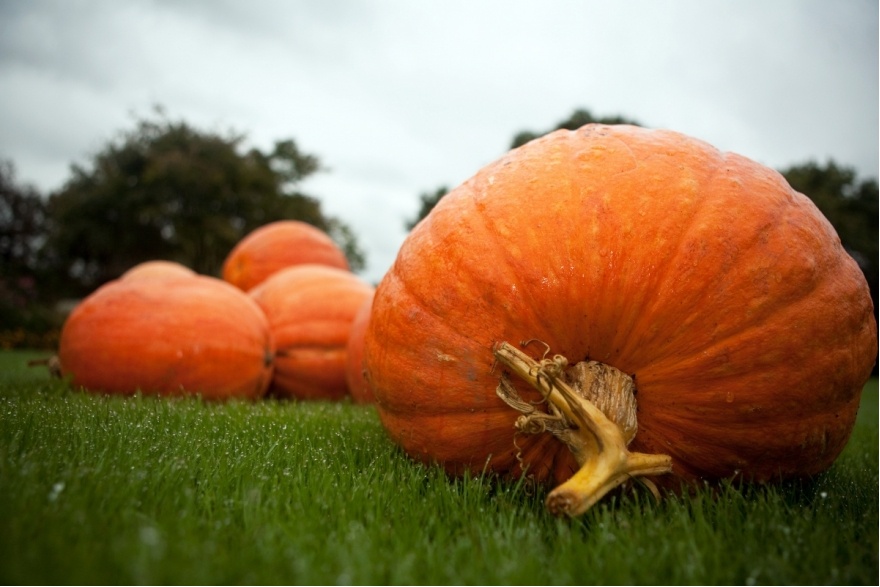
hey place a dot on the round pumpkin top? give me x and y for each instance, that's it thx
(727, 296)
(278, 245)
(158, 269)
(311, 304)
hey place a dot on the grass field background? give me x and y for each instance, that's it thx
(108, 490)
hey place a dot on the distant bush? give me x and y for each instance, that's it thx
(30, 326)
(23, 339)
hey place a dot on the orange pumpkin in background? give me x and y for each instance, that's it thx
(614, 302)
(358, 386)
(158, 269)
(278, 245)
(310, 310)
(178, 335)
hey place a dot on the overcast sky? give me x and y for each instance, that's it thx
(400, 97)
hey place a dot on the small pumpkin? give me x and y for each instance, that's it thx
(277, 245)
(173, 336)
(614, 302)
(310, 309)
(158, 269)
(355, 375)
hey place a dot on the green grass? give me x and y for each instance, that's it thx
(100, 490)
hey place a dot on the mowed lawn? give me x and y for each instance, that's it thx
(108, 490)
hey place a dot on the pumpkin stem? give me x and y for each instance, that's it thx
(52, 364)
(597, 437)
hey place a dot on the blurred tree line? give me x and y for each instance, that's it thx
(163, 190)
(850, 204)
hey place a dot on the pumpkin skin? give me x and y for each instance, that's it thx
(355, 375)
(178, 335)
(310, 309)
(277, 245)
(158, 269)
(748, 329)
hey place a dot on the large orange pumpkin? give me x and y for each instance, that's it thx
(310, 310)
(730, 331)
(174, 336)
(278, 245)
(358, 386)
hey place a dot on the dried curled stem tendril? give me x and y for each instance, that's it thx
(597, 442)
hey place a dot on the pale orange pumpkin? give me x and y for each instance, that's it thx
(157, 269)
(310, 309)
(178, 335)
(355, 375)
(278, 245)
(730, 331)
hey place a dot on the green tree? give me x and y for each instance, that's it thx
(849, 204)
(24, 320)
(166, 190)
(22, 226)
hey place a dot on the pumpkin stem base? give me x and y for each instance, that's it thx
(598, 438)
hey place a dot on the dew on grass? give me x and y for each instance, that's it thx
(149, 536)
(56, 490)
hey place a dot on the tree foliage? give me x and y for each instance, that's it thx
(166, 190)
(23, 320)
(22, 222)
